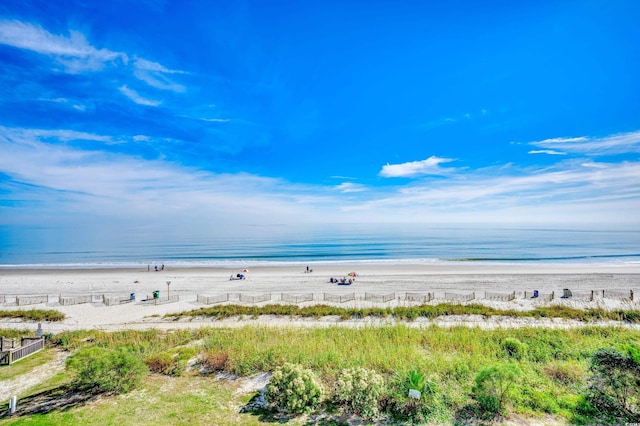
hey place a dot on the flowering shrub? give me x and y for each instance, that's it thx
(294, 389)
(358, 390)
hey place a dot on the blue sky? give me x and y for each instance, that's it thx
(202, 113)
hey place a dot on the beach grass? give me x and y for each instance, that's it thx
(554, 362)
(33, 315)
(408, 313)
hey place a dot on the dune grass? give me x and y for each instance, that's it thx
(408, 313)
(554, 364)
(33, 315)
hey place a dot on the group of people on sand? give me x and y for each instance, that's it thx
(342, 281)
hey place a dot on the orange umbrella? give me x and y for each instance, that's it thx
(352, 274)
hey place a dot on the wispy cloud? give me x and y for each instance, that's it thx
(135, 97)
(547, 151)
(96, 182)
(216, 120)
(155, 75)
(64, 101)
(620, 143)
(77, 55)
(430, 166)
(348, 187)
(23, 135)
(74, 51)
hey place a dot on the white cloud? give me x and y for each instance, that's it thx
(347, 187)
(135, 97)
(77, 55)
(430, 166)
(74, 51)
(216, 120)
(547, 151)
(154, 74)
(620, 143)
(73, 104)
(97, 183)
(22, 135)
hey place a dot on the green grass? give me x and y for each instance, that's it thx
(33, 315)
(554, 363)
(160, 401)
(409, 313)
(27, 364)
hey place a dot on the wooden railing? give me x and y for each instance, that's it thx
(32, 346)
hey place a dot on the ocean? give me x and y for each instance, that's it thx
(285, 245)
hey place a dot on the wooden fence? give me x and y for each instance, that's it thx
(505, 297)
(209, 300)
(6, 343)
(338, 298)
(379, 298)
(460, 297)
(31, 300)
(29, 346)
(296, 298)
(246, 298)
(116, 300)
(419, 297)
(75, 300)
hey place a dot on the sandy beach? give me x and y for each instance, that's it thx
(275, 284)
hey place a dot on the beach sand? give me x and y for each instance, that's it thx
(188, 283)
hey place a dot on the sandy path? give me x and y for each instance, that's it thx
(24, 382)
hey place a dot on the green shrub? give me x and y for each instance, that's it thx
(514, 348)
(402, 407)
(493, 385)
(165, 363)
(358, 390)
(98, 370)
(566, 373)
(294, 389)
(614, 385)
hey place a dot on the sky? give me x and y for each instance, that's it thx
(210, 113)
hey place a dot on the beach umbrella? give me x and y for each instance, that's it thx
(352, 274)
(245, 270)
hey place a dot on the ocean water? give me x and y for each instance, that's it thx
(49, 247)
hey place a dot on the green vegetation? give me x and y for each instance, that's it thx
(463, 374)
(294, 389)
(409, 313)
(26, 364)
(358, 390)
(613, 393)
(493, 385)
(33, 315)
(100, 370)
